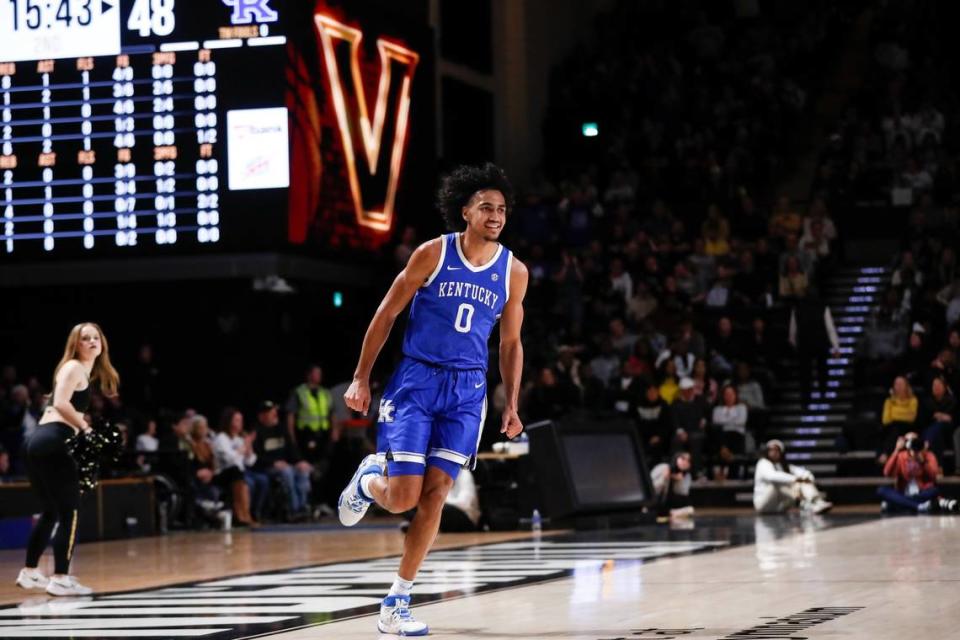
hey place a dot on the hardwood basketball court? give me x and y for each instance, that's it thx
(733, 576)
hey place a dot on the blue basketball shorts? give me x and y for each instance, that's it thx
(432, 416)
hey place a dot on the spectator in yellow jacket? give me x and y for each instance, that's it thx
(899, 416)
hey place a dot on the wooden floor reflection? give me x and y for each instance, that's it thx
(139, 563)
(888, 579)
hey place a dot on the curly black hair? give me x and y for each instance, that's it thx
(460, 185)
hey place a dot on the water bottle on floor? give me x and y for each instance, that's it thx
(226, 519)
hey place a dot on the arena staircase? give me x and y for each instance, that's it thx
(810, 425)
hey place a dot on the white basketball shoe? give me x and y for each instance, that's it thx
(353, 504)
(32, 579)
(395, 618)
(67, 586)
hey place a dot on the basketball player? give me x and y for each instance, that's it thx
(434, 407)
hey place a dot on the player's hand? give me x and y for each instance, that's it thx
(357, 396)
(901, 442)
(511, 424)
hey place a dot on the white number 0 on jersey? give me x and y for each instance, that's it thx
(464, 318)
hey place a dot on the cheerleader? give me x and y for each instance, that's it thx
(52, 470)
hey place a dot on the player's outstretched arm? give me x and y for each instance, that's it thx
(511, 349)
(422, 263)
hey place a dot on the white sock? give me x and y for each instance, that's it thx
(401, 587)
(365, 481)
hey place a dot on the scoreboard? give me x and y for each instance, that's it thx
(133, 124)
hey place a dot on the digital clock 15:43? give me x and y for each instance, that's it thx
(44, 29)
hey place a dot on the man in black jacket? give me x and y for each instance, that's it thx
(278, 456)
(653, 423)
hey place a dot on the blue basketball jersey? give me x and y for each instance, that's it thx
(453, 313)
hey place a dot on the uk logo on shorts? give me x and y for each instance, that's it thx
(386, 411)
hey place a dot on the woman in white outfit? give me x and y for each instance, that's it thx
(778, 485)
(730, 418)
(233, 454)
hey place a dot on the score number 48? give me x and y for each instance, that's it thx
(152, 17)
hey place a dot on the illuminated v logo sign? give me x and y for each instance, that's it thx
(357, 127)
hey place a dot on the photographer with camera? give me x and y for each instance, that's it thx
(915, 470)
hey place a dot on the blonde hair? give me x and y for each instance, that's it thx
(906, 383)
(103, 371)
(196, 422)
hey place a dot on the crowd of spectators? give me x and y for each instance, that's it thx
(897, 143)
(678, 323)
(897, 146)
(255, 466)
(663, 271)
(911, 346)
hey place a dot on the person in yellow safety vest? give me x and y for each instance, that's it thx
(309, 414)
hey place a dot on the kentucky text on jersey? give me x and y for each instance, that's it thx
(456, 309)
(469, 291)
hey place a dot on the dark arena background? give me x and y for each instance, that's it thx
(740, 223)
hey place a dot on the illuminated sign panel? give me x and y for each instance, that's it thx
(355, 125)
(257, 149)
(362, 149)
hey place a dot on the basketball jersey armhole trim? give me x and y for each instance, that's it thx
(466, 262)
(506, 276)
(443, 255)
